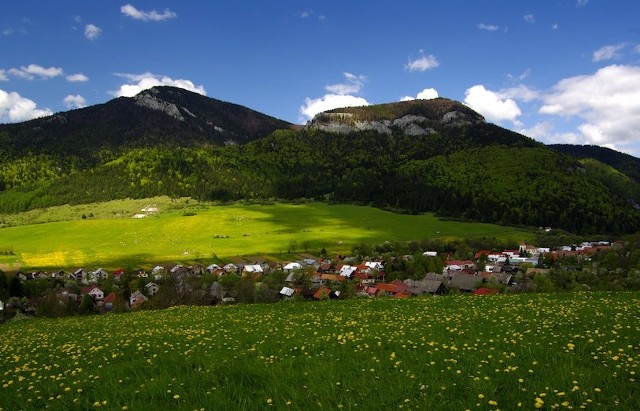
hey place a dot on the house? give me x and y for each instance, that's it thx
(426, 286)
(485, 291)
(287, 292)
(252, 269)
(324, 268)
(108, 301)
(430, 254)
(118, 273)
(58, 274)
(197, 269)
(136, 299)
(321, 293)
(99, 275)
(464, 282)
(527, 249)
(93, 291)
(395, 287)
(347, 270)
(213, 268)
(455, 265)
(332, 278)
(79, 275)
(230, 268)
(151, 289)
(292, 267)
(374, 265)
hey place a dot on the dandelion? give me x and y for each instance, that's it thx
(176, 397)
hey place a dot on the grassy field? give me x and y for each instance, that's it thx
(553, 351)
(185, 231)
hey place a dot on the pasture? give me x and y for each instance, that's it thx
(528, 351)
(184, 231)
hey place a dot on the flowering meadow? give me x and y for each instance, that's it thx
(533, 351)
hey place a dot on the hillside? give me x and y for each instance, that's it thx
(622, 162)
(424, 155)
(160, 115)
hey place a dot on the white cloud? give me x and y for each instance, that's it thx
(426, 94)
(15, 108)
(492, 105)
(147, 80)
(422, 63)
(77, 78)
(607, 52)
(306, 13)
(92, 32)
(529, 18)
(340, 95)
(74, 101)
(555, 26)
(3, 75)
(32, 71)
(312, 107)
(636, 49)
(520, 92)
(352, 85)
(608, 102)
(519, 77)
(153, 15)
(488, 27)
(544, 132)
(581, 3)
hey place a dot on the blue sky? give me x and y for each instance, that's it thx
(555, 70)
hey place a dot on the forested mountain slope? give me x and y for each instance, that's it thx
(424, 155)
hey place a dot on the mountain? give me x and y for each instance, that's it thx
(622, 162)
(160, 115)
(416, 156)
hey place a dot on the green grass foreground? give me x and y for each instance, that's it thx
(548, 351)
(186, 232)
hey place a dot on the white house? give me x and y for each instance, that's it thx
(151, 288)
(292, 267)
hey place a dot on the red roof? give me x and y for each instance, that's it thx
(118, 272)
(111, 298)
(485, 291)
(480, 253)
(321, 293)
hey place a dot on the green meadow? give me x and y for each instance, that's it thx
(184, 231)
(527, 351)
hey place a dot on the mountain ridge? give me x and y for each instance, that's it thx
(429, 155)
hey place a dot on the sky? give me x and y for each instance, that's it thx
(559, 71)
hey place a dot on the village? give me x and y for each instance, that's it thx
(489, 272)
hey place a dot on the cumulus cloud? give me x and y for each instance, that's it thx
(608, 103)
(147, 80)
(340, 95)
(312, 107)
(422, 63)
(488, 27)
(529, 18)
(77, 78)
(492, 105)
(33, 71)
(92, 32)
(15, 108)
(74, 101)
(426, 94)
(545, 131)
(353, 84)
(153, 15)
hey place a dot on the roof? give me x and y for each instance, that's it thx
(287, 291)
(485, 291)
(322, 292)
(253, 268)
(111, 298)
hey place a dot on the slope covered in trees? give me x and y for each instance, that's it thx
(455, 164)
